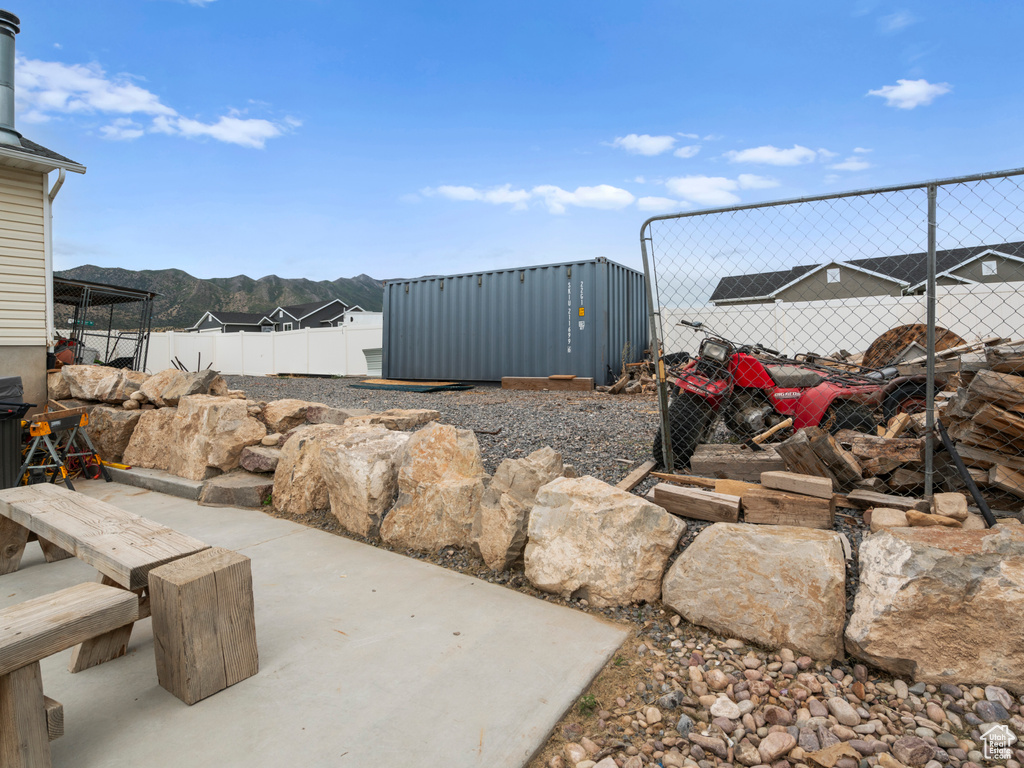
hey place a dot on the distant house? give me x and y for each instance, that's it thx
(317, 314)
(900, 275)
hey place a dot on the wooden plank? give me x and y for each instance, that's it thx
(865, 499)
(54, 415)
(119, 544)
(562, 376)
(54, 718)
(1007, 480)
(700, 482)
(24, 739)
(808, 485)
(203, 623)
(637, 476)
(13, 538)
(734, 487)
(537, 383)
(697, 503)
(735, 462)
(43, 626)
(771, 507)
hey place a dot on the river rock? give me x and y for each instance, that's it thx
(912, 750)
(282, 415)
(775, 745)
(952, 505)
(499, 526)
(259, 458)
(591, 540)
(942, 605)
(440, 485)
(360, 470)
(771, 585)
(57, 387)
(299, 488)
(110, 430)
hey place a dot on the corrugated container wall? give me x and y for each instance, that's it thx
(577, 318)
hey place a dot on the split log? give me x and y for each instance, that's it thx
(1007, 480)
(992, 428)
(1002, 389)
(977, 457)
(904, 479)
(866, 499)
(900, 449)
(735, 462)
(697, 504)
(808, 485)
(771, 507)
(897, 425)
(1006, 359)
(812, 451)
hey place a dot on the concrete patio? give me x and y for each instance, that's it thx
(366, 658)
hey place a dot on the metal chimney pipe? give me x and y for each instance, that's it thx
(10, 25)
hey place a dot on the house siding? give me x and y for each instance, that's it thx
(1007, 271)
(852, 284)
(314, 320)
(22, 259)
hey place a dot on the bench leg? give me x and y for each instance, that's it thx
(52, 552)
(24, 739)
(12, 545)
(54, 718)
(108, 646)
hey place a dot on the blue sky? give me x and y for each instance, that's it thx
(325, 139)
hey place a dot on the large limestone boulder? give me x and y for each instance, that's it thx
(360, 470)
(282, 415)
(499, 526)
(397, 418)
(110, 430)
(210, 433)
(168, 387)
(777, 586)
(440, 483)
(149, 443)
(57, 387)
(98, 382)
(299, 488)
(325, 414)
(942, 605)
(589, 539)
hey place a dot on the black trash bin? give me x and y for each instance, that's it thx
(12, 409)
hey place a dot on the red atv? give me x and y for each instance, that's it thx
(755, 388)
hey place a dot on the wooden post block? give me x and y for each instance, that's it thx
(204, 626)
(697, 504)
(769, 507)
(734, 462)
(13, 538)
(808, 485)
(54, 718)
(24, 740)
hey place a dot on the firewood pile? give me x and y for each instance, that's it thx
(634, 379)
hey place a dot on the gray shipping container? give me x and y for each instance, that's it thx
(574, 318)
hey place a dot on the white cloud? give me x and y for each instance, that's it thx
(603, 196)
(640, 180)
(661, 204)
(50, 88)
(689, 151)
(851, 164)
(496, 196)
(861, 150)
(714, 137)
(644, 144)
(824, 154)
(688, 135)
(704, 190)
(769, 155)
(894, 22)
(123, 129)
(907, 94)
(751, 181)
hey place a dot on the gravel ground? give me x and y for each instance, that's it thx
(599, 434)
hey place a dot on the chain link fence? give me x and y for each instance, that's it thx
(869, 314)
(101, 324)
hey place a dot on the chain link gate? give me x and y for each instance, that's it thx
(879, 311)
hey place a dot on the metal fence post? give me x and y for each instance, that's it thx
(929, 450)
(655, 320)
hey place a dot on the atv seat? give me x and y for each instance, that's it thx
(791, 376)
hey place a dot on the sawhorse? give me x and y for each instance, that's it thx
(75, 445)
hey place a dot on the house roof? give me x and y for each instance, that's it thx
(300, 311)
(231, 318)
(910, 269)
(36, 157)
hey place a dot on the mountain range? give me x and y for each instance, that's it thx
(184, 299)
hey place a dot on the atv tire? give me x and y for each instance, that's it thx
(846, 414)
(689, 420)
(908, 397)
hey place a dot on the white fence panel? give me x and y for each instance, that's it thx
(318, 351)
(973, 312)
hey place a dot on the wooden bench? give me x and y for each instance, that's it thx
(31, 631)
(123, 547)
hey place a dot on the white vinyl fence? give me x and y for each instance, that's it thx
(319, 351)
(972, 312)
